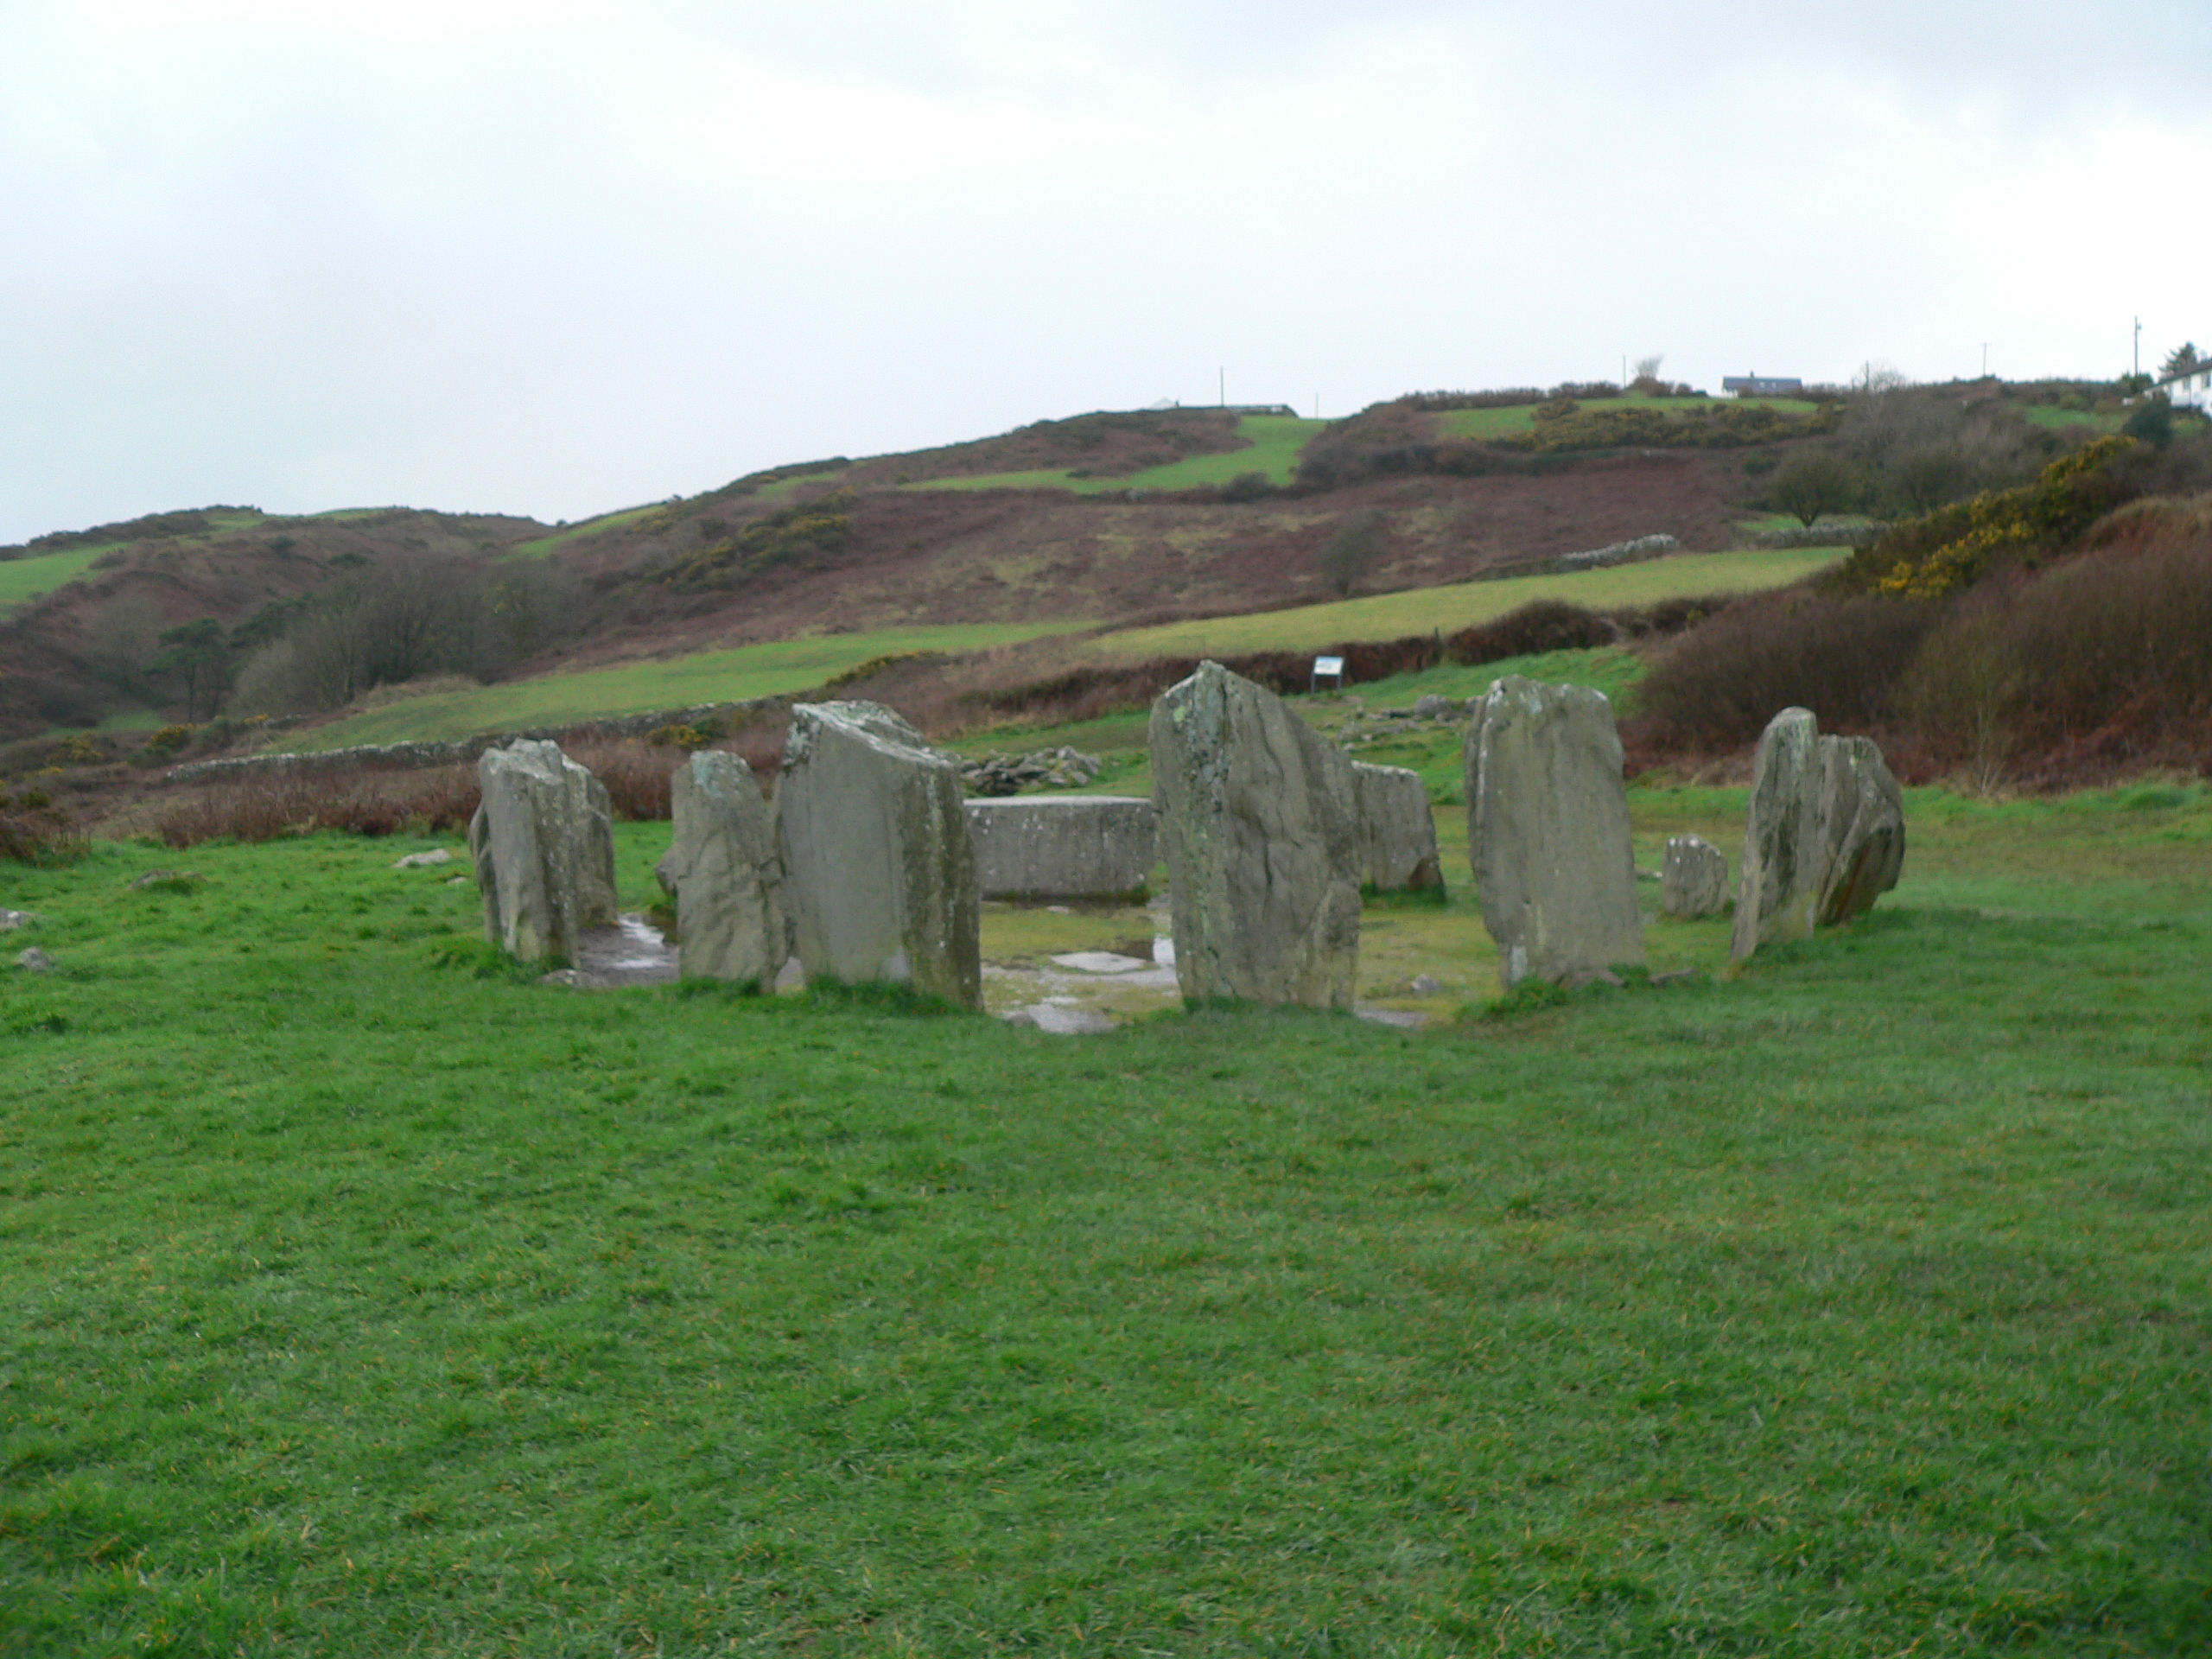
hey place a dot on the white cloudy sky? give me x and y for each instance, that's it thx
(558, 257)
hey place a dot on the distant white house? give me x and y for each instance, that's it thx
(2191, 389)
(1761, 385)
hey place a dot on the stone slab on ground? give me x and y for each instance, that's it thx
(881, 875)
(542, 839)
(1547, 832)
(1397, 833)
(1259, 824)
(1063, 847)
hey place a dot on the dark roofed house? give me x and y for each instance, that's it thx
(1761, 385)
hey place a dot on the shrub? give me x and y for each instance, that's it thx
(636, 777)
(1246, 486)
(796, 533)
(1843, 659)
(1354, 544)
(32, 832)
(686, 738)
(1943, 551)
(367, 804)
(1539, 626)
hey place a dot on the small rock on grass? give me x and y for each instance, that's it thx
(36, 960)
(457, 880)
(1424, 985)
(423, 861)
(167, 879)
(12, 919)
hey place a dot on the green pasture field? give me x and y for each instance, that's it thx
(362, 1297)
(1492, 423)
(727, 675)
(22, 580)
(538, 547)
(1460, 605)
(1119, 740)
(2050, 415)
(784, 486)
(1276, 440)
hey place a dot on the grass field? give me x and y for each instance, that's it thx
(539, 546)
(1276, 440)
(729, 675)
(1490, 423)
(1393, 616)
(25, 579)
(2050, 415)
(362, 1298)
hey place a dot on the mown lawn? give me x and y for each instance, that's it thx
(362, 1298)
(1460, 605)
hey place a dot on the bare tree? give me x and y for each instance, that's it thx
(1355, 544)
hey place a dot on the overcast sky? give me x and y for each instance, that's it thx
(558, 259)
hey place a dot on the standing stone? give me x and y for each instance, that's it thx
(1693, 881)
(1547, 832)
(1259, 824)
(1397, 835)
(1823, 837)
(1063, 847)
(879, 874)
(544, 842)
(726, 873)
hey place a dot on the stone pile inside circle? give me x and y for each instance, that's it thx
(1823, 837)
(1002, 774)
(542, 839)
(1259, 825)
(1548, 833)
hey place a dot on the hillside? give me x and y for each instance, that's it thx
(1114, 520)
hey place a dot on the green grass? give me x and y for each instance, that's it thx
(1276, 440)
(538, 547)
(784, 486)
(729, 676)
(22, 580)
(1491, 423)
(360, 1298)
(2050, 415)
(1421, 610)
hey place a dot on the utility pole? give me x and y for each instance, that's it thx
(1985, 359)
(2139, 345)
(1224, 386)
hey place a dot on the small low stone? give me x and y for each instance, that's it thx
(35, 961)
(457, 880)
(423, 861)
(575, 979)
(1424, 985)
(1432, 707)
(1593, 976)
(12, 919)
(1676, 976)
(167, 879)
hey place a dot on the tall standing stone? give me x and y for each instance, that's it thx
(880, 876)
(1694, 879)
(1397, 835)
(726, 872)
(1823, 834)
(1547, 831)
(542, 839)
(1259, 825)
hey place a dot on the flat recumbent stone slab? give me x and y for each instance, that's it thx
(879, 875)
(1259, 823)
(1061, 847)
